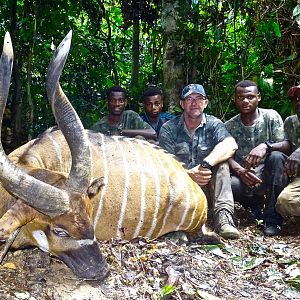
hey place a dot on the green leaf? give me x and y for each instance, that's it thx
(212, 247)
(289, 58)
(233, 251)
(276, 28)
(295, 282)
(167, 290)
(285, 261)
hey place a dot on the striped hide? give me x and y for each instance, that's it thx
(146, 191)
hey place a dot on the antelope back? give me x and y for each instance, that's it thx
(146, 191)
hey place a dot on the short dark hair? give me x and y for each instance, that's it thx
(152, 91)
(245, 83)
(115, 88)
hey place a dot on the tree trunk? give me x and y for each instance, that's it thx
(29, 79)
(195, 54)
(174, 50)
(135, 64)
(16, 103)
(135, 53)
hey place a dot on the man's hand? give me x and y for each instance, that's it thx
(292, 163)
(255, 156)
(248, 177)
(200, 175)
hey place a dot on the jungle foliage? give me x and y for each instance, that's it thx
(123, 42)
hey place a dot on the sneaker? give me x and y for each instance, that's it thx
(272, 229)
(225, 225)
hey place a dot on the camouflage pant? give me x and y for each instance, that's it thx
(264, 195)
(218, 191)
(288, 203)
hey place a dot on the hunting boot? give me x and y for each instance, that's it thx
(225, 226)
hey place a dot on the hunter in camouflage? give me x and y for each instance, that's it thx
(130, 120)
(202, 143)
(288, 203)
(120, 121)
(258, 165)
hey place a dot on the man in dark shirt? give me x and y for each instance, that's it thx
(204, 145)
(120, 121)
(153, 105)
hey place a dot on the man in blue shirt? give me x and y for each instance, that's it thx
(153, 105)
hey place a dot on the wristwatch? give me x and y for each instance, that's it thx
(269, 147)
(206, 165)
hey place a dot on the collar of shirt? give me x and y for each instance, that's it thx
(146, 118)
(191, 134)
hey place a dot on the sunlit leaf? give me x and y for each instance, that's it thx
(295, 282)
(276, 28)
(167, 290)
(10, 265)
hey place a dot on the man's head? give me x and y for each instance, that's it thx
(246, 96)
(153, 102)
(116, 100)
(294, 94)
(193, 100)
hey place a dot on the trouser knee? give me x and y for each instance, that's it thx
(274, 169)
(288, 204)
(245, 195)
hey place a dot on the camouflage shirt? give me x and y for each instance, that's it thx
(268, 127)
(130, 120)
(292, 131)
(191, 149)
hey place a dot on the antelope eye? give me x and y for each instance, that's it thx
(60, 232)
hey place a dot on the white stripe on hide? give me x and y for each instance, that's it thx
(143, 188)
(105, 181)
(201, 218)
(126, 186)
(181, 181)
(193, 196)
(172, 193)
(154, 172)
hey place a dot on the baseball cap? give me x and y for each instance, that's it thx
(192, 88)
(291, 92)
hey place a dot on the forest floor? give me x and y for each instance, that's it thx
(171, 267)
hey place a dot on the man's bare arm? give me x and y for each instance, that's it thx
(246, 175)
(146, 133)
(222, 151)
(259, 152)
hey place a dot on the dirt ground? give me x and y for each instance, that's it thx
(253, 267)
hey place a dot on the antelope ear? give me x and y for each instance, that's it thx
(95, 187)
(17, 216)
